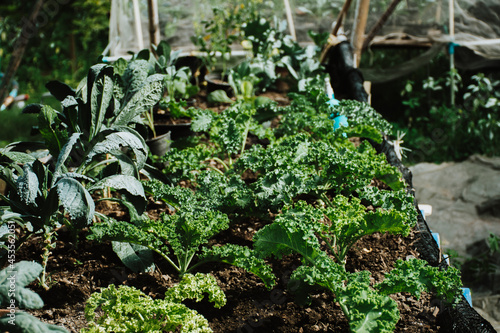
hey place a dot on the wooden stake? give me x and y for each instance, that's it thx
(362, 9)
(341, 16)
(154, 22)
(380, 22)
(138, 24)
(289, 18)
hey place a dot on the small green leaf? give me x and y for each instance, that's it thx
(219, 96)
(243, 257)
(136, 257)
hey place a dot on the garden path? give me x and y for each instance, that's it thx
(465, 200)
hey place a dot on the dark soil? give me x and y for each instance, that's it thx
(77, 272)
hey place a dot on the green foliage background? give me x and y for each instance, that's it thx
(71, 36)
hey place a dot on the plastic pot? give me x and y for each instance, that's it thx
(160, 144)
(216, 82)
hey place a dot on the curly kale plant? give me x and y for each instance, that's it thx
(128, 310)
(298, 165)
(182, 237)
(362, 114)
(307, 230)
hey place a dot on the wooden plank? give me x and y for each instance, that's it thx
(154, 22)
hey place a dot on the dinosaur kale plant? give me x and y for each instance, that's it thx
(13, 293)
(41, 199)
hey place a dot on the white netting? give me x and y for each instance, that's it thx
(477, 22)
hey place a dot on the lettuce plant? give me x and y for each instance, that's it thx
(126, 309)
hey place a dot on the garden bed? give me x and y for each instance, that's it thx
(286, 220)
(77, 272)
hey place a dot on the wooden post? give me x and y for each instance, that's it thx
(29, 30)
(289, 18)
(154, 22)
(341, 16)
(452, 52)
(380, 23)
(362, 8)
(138, 24)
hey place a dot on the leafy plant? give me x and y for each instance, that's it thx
(229, 129)
(104, 101)
(415, 276)
(13, 293)
(366, 310)
(362, 114)
(301, 228)
(35, 197)
(298, 165)
(42, 200)
(274, 51)
(439, 131)
(218, 34)
(183, 234)
(126, 309)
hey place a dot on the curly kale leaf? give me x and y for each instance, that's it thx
(400, 201)
(323, 273)
(230, 128)
(366, 309)
(174, 196)
(242, 257)
(186, 232)
(362, 131)
(125, 232)
(202, 120)
(285, 237)
(126, 309)
(182, 163)
(415, 276)
(195, 287)
(349, 221)
(213, 191)
(360, 113)
(226, 193)
(280, 187)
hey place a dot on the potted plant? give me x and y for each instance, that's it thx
(218, 34)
